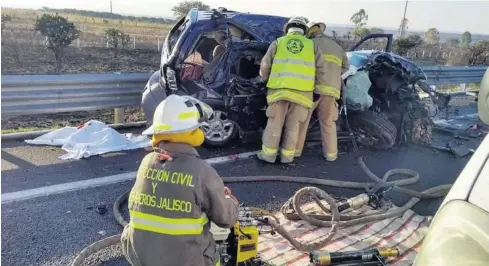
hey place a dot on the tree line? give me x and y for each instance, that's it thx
(60, 32)
(108, 15)
(402, 44)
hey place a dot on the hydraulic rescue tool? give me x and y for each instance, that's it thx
(374, 197)
(239, 245)
(370, 257)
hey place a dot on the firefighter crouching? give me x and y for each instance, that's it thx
(290, 67)
(176, 194)
(329, 88)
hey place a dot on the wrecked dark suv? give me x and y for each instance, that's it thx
(215, 56)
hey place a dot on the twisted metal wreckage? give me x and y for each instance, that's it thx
(381, 96)
(384, 109)
(392, 98)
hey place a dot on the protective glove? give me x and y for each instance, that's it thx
(228, 193)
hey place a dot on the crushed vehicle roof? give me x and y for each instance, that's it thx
(243, 44)
(266, 27)
(412, 71)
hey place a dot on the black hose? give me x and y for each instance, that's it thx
(333, 220)
(116, 208)
(96, 247)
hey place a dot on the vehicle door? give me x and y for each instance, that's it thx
(375, 36)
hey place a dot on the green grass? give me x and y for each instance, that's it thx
(452, 88)
(456, 88)
(26, 129)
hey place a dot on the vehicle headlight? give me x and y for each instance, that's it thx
(171, 79)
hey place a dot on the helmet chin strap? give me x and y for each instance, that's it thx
(295, 30)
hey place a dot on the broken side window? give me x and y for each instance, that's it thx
(206, 49)
(247, 66)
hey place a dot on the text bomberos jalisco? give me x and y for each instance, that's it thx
(157, 176)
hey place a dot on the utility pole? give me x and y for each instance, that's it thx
(403, 22)
(111, 10)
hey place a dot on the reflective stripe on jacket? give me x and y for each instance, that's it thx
(293, 64)
(299, 97)
(170, 206)
(336, 64)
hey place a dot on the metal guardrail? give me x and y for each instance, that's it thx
(37, 94)
(441, 75)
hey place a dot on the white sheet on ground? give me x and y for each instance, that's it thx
(93, 138)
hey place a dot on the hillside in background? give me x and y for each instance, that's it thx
(24, 50)
(339, 29)
(342, 30)
(108, 15)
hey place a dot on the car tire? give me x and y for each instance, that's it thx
(220, 131)
(373, 130)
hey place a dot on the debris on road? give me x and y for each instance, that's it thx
(101, 208)
(460, 137)
(472, 132)
(459, 150)
(102, 233)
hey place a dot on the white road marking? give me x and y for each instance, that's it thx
(97, 182)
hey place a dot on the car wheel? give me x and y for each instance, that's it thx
(373, 130)
(220, 130)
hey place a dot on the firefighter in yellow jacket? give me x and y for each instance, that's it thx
(329, 88)
(176, 194)
(290, 67)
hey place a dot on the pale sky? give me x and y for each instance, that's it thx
(448, 16)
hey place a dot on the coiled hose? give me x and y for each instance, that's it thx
(333, 219)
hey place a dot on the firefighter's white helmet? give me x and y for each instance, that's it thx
(321, 25)
(297, 22)
(177, 114)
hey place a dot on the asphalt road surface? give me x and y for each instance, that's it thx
(51, 230)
